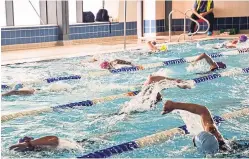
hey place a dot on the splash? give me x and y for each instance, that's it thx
(146, 100)
(58, 87)
(200, 66)
(192, 121)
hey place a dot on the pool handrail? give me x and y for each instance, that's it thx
(198, 26)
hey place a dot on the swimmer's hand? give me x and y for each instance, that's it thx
(19, 147)
(167, 107)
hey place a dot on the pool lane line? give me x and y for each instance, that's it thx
(157, 138)
(198, 80)
(85, 103)
(134, 68)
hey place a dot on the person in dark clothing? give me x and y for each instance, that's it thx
(205, 9)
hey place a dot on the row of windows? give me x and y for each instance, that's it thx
(25, 11)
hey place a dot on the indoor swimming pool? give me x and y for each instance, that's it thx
(101, 121)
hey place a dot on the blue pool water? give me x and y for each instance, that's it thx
(221, 95)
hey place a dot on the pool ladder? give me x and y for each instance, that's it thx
(184, 31)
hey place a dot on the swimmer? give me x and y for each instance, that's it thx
(209, 141)
(214, 66)
(154, 79)
(113, 64)
(233, 43)
(19, 90)
(47, 143)
(153, 48)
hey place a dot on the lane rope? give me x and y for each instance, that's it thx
(157, 138)
(198, 80)
(133, 68)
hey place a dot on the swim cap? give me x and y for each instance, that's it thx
(163, 48)
(18, 86)
(221, 65)
(26, 138)
(243, 38)
(104, 65)
(206, 143)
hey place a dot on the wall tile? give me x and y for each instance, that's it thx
(146, 30)
(243, 26)
(221, 21)
(243, 20)
(229, 26)
(229, 21)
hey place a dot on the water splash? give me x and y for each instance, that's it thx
(147, 98)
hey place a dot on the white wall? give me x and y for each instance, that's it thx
(24, 12)
(2, 13)
(131, 11)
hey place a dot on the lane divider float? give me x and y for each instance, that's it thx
(135, 68)
(198, 80)
(156, 138)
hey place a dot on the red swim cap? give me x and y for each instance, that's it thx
(104, 65)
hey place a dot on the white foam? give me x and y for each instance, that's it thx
(198, 67)
(58, 87)
(192, 121)
(146, 99)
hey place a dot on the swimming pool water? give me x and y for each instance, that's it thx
(221, 95)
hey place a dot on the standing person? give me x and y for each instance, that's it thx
(205, 9)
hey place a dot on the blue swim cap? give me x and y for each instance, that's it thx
(18, 86)
(26, 138)
(206, 143)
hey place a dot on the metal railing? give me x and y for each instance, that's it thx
(185, 16)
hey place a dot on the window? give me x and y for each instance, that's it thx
(2, 13)
(72, 11)
(93, 6)
(25, 14)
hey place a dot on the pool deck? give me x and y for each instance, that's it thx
(31, 55)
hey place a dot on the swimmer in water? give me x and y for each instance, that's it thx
(112, 65)
(154, 79)
(46, 143)
(19, 90)
(233, 43)
(153, 48)
(214, 66)
(209, 141)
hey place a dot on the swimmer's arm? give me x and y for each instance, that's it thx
(193, 108)
(118, 61)
(46, 141)
(19, 92)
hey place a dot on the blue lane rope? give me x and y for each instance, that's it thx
(132, 145)
(138, 68)
(104, 99)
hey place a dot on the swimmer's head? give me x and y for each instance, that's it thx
(18, 86)
(243, 38)
(206, 143)
(153, 42)
(221, 65)
(25, 139)
(105, 65)
(158, 98)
